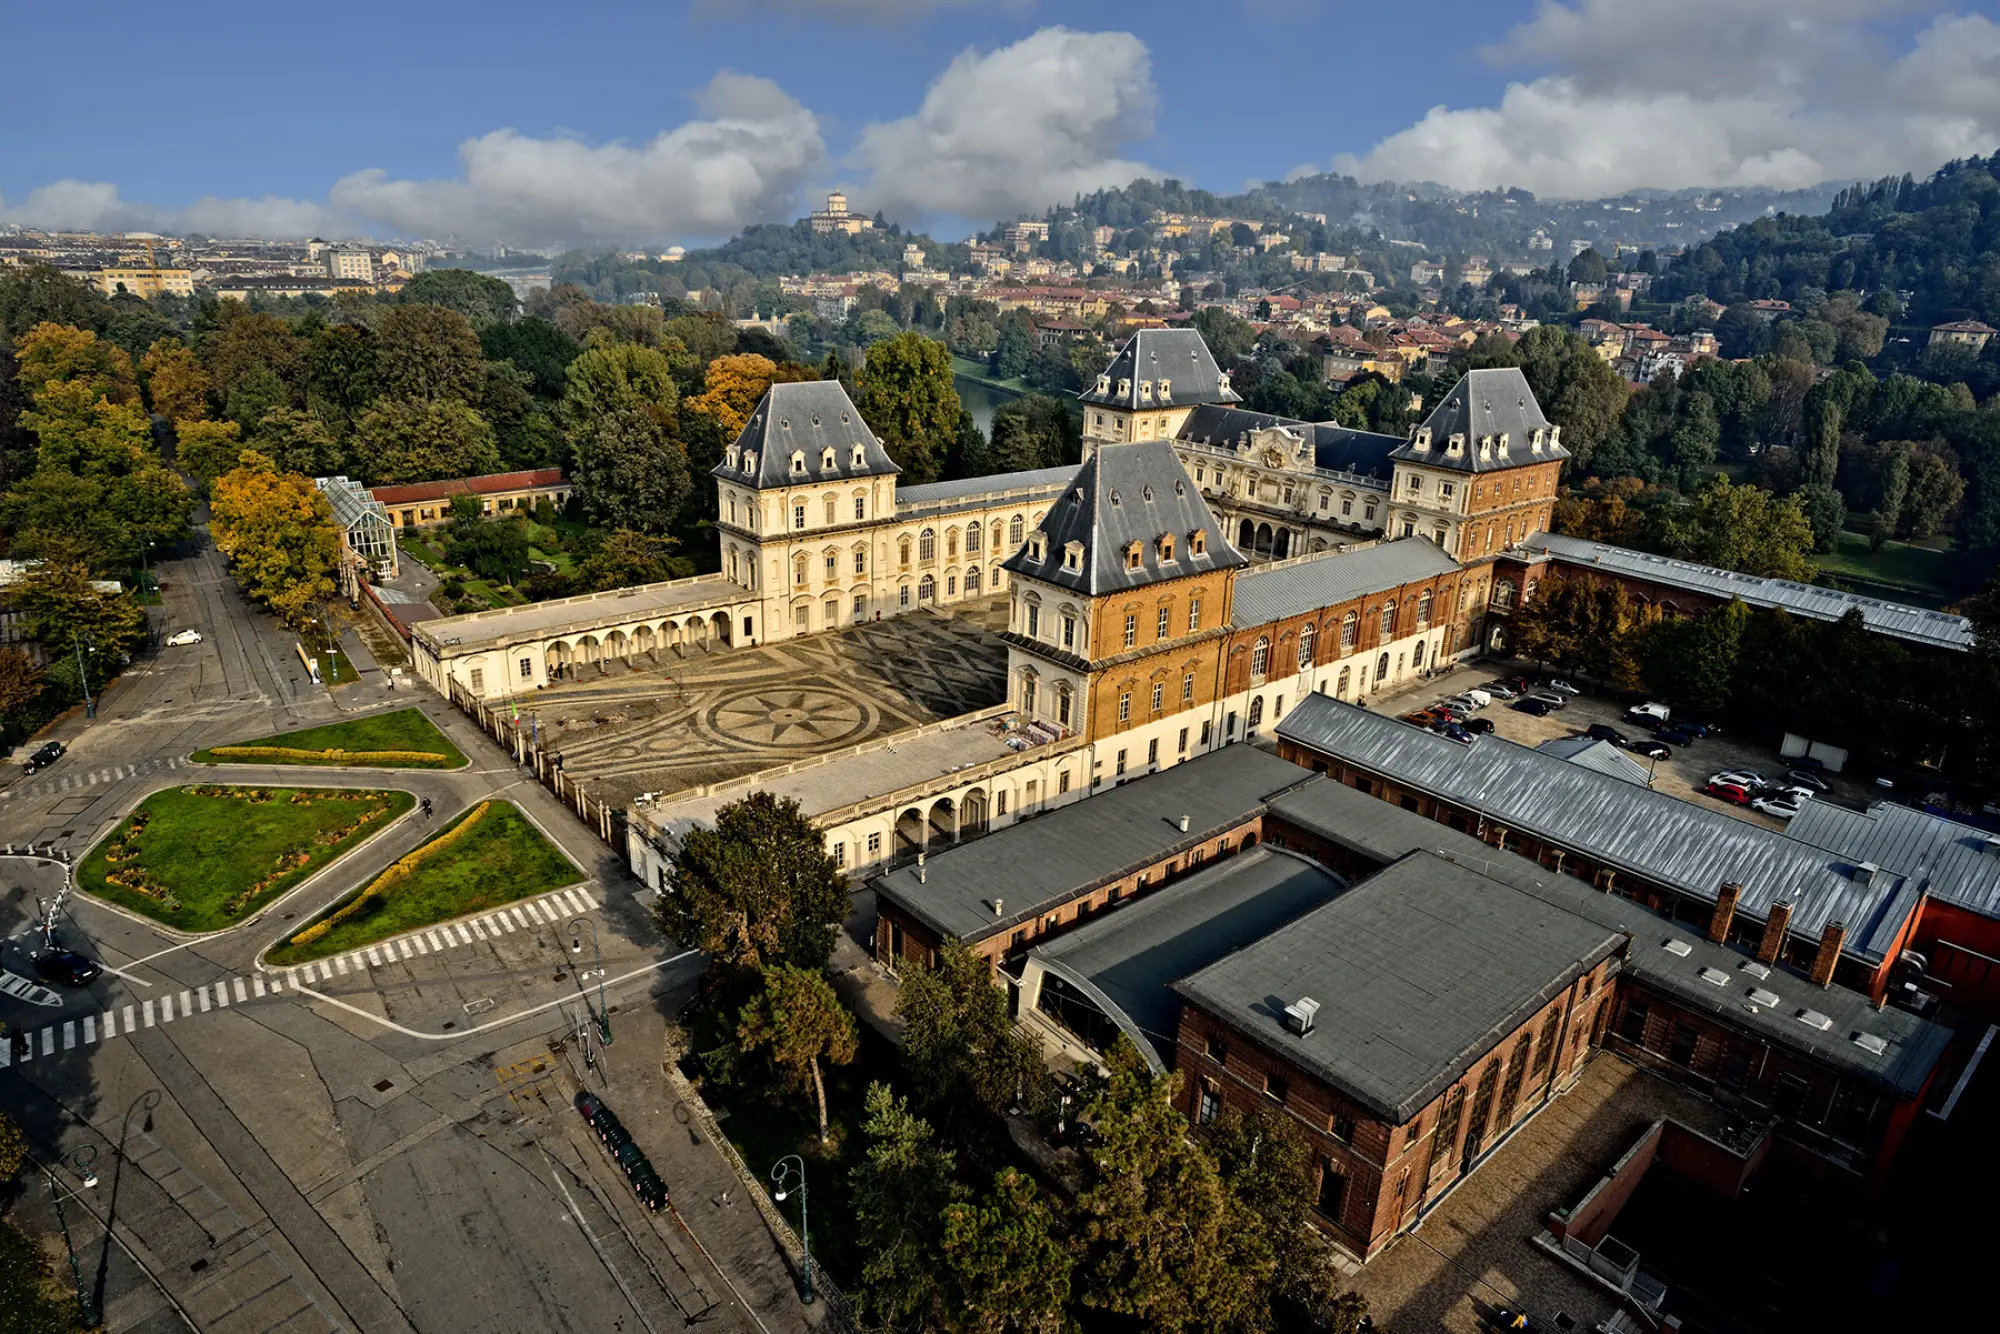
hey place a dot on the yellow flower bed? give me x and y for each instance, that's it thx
(389, 878)
(331, 756)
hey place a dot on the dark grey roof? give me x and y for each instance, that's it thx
(1125, 493)
(995, 484)
(1178, 356)
(1041, 862)
(1898, 620)
(1691, 848)
(1332, 446)
(1331, 578)
(807, 419)
(1483, 406)
(1344, 449)
(1599, 755)
(1418, 970)
(1958, 863)
(1129, 960)
(1384, 832)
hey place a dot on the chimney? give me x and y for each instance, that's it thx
(999, 907)
(920, 870)
(1773, 942)
(1184, 824)
(1725, 911)
(1830, 942)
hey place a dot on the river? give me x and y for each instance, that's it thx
(980, 398)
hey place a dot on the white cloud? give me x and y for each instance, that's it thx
(1781, 93)
(98, 206)
(1015, 129)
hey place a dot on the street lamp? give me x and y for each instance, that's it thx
(788, 1169)
(576, 947)
(79, 1162)
(83, 675)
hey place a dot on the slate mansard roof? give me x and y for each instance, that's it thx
(1126, 493)
(806, 419)
(1177, 356)
(1335, 448)
(1484, 406)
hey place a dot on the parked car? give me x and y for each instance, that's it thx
(1551, 698)
(48, 754)
(1480, 698)
(1562, 687)
(1421, 718)
(1461, 705)
(1535, 705)
(1731, 792)
(1456, 733)
(1673, 736)
(1810, 763)
(1605, 732)
(1478, 726)
(1648, 715)
(1782, 807)
(1652, 750)
(66, 967)
(1790, 792)
(1700, 729)
(1501, 690)
(1741, 777)
(1807, 778)
(184, 638)
(1446, 712)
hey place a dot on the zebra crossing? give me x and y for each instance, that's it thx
(152, 1012)
(110, 774)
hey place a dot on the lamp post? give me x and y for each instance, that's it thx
(576, 947)
(83, 675)
(79, 1162)
(788, 1169)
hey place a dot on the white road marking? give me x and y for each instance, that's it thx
(477, 933)
(432, 936)
(505, 925)
(520, 918)
(241, 994)
(90, 1028)
(464, 936)
(422, 948)
(341, 963)
(203, 994)
(186, 1008)
(257, 983)
(69, 1034)
(149, 1014)
(49, 1041)
(536, 911)
(374, 958)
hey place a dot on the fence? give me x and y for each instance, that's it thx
(605, 819)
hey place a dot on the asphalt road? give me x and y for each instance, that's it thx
(383, 1143)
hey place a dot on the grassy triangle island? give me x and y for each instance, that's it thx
(405, 739)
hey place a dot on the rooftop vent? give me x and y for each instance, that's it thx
(1755, 969)
(1299, 1015)
(1760, 997)
(1184, 824)
(1715, 977)
(1866, 873)
(1680, 947)
(1814, 1019)
(1993, 843)
(999, 907)
(1872, 1043)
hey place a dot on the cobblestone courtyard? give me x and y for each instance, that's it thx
(707, 717)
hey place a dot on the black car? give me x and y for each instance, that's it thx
(1674, 736)
(1652, 750)
(1807, 778)
(1483, 726)
(1605, 732)
(1541, 708)
(67, 967)
(50, 752)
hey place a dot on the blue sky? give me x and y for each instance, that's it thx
(606, 119)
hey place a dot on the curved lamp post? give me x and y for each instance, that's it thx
(79, 1163)
(789, 1169)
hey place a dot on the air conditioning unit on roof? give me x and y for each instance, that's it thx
(1299, 1015)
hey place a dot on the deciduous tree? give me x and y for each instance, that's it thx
(960, 1049)
(909, 401)
(297, 441)
(208, 449)
(429, 354)
(797, 1020)
(625, 558)
(407, 440)
(619, 415)
(20, 686)
(176, 385)
(62, 354)
(480, 298)
(277, 530)
(758, 889)
(67, 613)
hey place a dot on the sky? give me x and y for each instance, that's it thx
(612, 121)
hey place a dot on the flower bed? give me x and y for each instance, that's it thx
(399, 739)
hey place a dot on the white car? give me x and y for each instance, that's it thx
(1782, 807)
(1740, 777)
(1562, 687)
(184, 638)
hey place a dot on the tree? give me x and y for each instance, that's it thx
(909, 401)
(1825, 513)
(67, 614)
(407, 440)
(1574, 386)
(619, 414)
(342, 376)
(626, 558)
(247, 344)
(80, 431)
(176, 385)
(900, 1190)
(208, 449)
(56, 515)
(61, 354)
(758, 889)
(1894, 488)
(1015, 345)
(1588, 267)
(1229, 338)
(492, 548)
(43, 294)
(537, 347)
(480, 299)
(799, 1022)
(733, 386)
(13, 1144)
(20, 686)
(1006, 1270)
(960, 1049)
(429, 354)
(1742, 528)
(277, 531)
(1691, 661)
(297, 441)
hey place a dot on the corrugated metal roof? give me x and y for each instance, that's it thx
(1594, 754)
(1897, 619)
(1333, 577)
(1957, 863)
(1691, 848)
(966, 488)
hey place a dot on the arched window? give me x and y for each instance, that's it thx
(971, 540)
(951, 544)
(1340, 687)
(1503, 593)
(1256, 712)
(1424, 609)
(1389, 621)
(1417, 654)
(972, 581)
(904, 548)
(1034, 615)
(1014, 531)
(926, 545)
(1528, 593)
(1305, 647)
(1381, 670)
(1350, 627)
(1260, 658)
(1062, 703)
(799, 570)
(861, 558)
(926, 589)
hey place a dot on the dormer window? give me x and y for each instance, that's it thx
(1535, 441)
(1486, 448)
(860, 457)
(1134, 556)
(1124, 389)
(1423, 440)
(1503, 444)
(1146, 389)
(1166, 388)
(1456, 446)
(1103, 384)
(734, 452)
(1073, 556)
(798, 464)
(750, 460)
(826, 459)
(1222, 382)
(1038, 547)
(1166, 547)
(1198, 541)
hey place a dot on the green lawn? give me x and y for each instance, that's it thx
(423, 550)
(205, 857)
(977, 370)
(1897, 565)
(500, 858)
(406, 731)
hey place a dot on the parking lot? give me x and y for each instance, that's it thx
(1681, 776)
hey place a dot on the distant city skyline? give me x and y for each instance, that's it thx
(683, 124)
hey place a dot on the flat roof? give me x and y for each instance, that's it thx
(1418, 970)
(1919, 625)
(502, 626)
(996, 485)
(1129, 960)
(1042, 861)
(1691, 848)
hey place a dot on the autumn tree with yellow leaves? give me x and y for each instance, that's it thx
(278, 532)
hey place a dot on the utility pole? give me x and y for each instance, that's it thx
(83, 675)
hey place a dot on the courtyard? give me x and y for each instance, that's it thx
(701, 717)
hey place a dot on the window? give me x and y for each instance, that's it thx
(1424, 609)
(1445, 489)
(1194, 615)
(1340, 687)
(832, 565)
(972, 581)
(951, 544)
(860, 507)
(1000, 802)
(972, 539)
(904, 548)
(1275, 1087)
(1206, 730)
(927, 546)
(840, 854)
(1183, 745)
(1260, 659)
(1062, 781)
(1166, 547)
(874, 846)
(1416, 484)
(1187, 688)
(1389, 621)
(1256, 712)
(1165, 622)
(1546, 1047)
(1381, 670)
(1028, 693)
(903, 596)
(832, 515)
(1121, 763)
(478, 680)
(1350, 629)
(1198, 541)
(1034, 620)
(1069, 631)
(1131, 630)
(1503, 593)
(1014, 530)
(1680, 1048)
(799, 515)
(1062, 704)
(527, 669)
(1347, 507)
(1216, 1050)
(1632, 1024)
(1210, 1107)
(926, 589)
(860, 605)
(860, 560)
(799, 570)
(951, 585)
(1159, 694)
(1332, 1191)
(1341, 1127)
(1305, 647)
(1124, 706)
(1417, 654)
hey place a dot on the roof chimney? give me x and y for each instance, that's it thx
(1299, 1015)
(999, 907)
(1772, 944)
(1725, 911)
(1830, 942)
(1184, 824)
(920, 869)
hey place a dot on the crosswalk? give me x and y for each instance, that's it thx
(118, 1021)
(76, 782)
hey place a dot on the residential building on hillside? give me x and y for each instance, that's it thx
(835, 217)
(1961, 333)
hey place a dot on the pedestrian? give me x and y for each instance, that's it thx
(426, 807)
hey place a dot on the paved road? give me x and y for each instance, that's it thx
(378, 1142)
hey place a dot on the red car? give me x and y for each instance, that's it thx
(1729, 792)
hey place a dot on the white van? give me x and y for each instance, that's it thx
(1479, 697)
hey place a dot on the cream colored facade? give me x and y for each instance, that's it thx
(145, 282)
